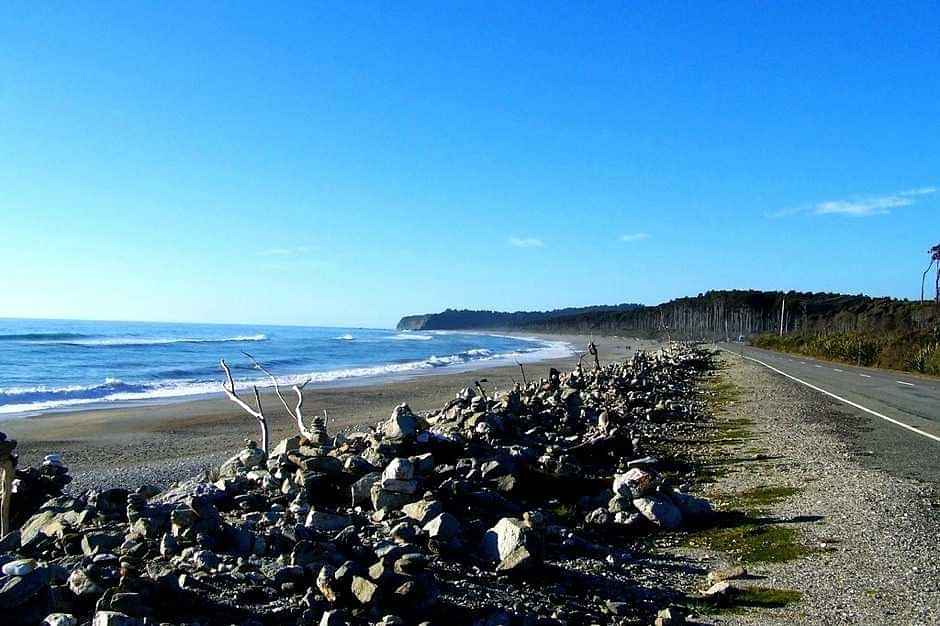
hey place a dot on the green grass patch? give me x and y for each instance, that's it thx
(767, 597)
(724, 392)
(759, 498)
(753, 543)
(749, 598)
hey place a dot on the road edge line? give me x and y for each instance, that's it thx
(839, 398)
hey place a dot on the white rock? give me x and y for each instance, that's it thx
(53, 459)
(399, 469)
(659, 510)
(113, 618)
(59, 619)
(403, 424)
(20, 567)
(327, 522)
(507, 535)
(636, 483)
(443, 527)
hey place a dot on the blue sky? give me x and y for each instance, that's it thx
(348, 163)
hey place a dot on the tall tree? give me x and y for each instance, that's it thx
(934, 253)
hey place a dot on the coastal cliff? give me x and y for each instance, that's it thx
(412, 322)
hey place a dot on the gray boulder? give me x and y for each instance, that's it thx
(444, 527)
(326, 522)
(423, 511)
(361, 490)
(513, 543)
(659, 510)
(403, 424)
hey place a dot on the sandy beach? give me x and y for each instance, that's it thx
(161, 444)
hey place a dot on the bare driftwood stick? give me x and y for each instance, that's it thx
(296, 413)
(6, 483)
(524, 381)
(229, 387)
(6, 468)
(592, 349)
(480, 387)
(317, 432)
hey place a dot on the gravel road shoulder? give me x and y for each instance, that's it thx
(857, 544)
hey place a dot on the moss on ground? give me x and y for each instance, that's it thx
(756, 543)
(750, 598)
(757, 499)
(723, 392)
(744, 534)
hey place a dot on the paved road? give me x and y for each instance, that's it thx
(902, 411)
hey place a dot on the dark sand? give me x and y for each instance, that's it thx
(164, 443)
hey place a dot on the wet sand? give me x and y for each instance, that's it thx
(164, 443)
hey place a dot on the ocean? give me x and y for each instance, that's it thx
(48, 365)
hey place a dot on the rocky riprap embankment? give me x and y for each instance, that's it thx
(410, 522)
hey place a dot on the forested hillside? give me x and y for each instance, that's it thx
(453, 319)
(718, 314)
(883, 332)
(713, 314)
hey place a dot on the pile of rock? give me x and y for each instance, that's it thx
(357, 530)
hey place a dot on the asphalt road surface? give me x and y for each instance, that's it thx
(899, 413)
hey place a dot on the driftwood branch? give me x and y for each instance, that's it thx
(478, 385)
(592, 349)
(581, 356)
(6, 483)
(229, 387)
(296, 412)
(524, 381)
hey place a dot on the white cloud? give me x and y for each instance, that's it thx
(922, 191)
(526, 242)
(861, 206)
(635, 237)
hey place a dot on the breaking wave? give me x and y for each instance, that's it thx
(113, 390)
(122, 342)
(44, 336)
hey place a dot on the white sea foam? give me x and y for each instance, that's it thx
(411, 336)
(346, 337)
(41, 398)
(159, 341)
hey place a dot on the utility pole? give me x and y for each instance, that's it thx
(783, 308)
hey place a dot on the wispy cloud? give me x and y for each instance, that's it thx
(287, 252)
(635, 237)
(526, 242)
(861, 206)
(922, 191)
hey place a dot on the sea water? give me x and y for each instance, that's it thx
(48, 365)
